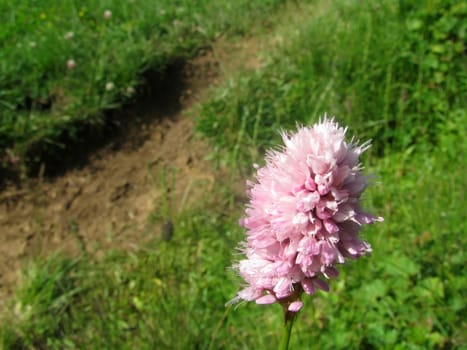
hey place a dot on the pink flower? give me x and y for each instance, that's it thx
(70, 64)
(304, 216)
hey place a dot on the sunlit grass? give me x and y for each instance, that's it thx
(410, 294)
(365, 63)
(63, 64)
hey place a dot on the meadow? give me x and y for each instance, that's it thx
(392, 71)
(65, 64)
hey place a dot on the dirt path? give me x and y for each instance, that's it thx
(104, 200)
(105, 203)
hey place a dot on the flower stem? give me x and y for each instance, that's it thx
(287, 331)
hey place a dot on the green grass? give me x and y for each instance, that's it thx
(41, 99)
(364, 63)
(409, 295)
(393, 74)
(169, 295)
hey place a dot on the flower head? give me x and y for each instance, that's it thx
(69, 35)
(107, 14)
(304, 216)
(109, 86)
(70, 64)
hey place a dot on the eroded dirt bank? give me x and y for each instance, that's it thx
(105, 202)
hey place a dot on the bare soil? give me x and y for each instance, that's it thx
(101, 195)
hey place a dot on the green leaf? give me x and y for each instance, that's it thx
(372, 291)
(437, 48)
(431, 287)
(400, 265)
(414, 24)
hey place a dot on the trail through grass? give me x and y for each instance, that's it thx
(64, 64)
(391, 71)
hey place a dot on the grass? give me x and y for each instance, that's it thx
(368, 65)
(63, 64)
(408, 295)
(135, 303)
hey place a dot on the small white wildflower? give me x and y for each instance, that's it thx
(70, 64)
(109, 86)
(69, 35)
(107, 14)
(130, 90)
(32, 44)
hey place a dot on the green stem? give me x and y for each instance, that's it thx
(289, 318)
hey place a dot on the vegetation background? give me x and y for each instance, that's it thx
(393, 71)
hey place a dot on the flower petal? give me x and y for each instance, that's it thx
(295, 306)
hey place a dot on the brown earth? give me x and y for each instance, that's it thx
(104, 200)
